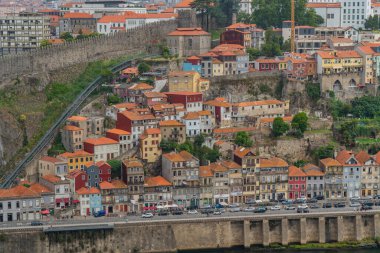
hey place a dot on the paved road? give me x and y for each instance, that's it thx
(159, 85)
(185, 217)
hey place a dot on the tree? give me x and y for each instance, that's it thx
(243, 139)
(204, 7)
(272, 13)
(372, 22)
(348, 133)
(300, 163)
(168, 146)
(253, 53)
(67, 36)
(199, 140)
(272, 45)
(313, 91)
(115, 168)
(45, 43)
(245, 18)
(299, 122)
(114, 99)
(279, 127)
(186, 146)
(143, 68)
(324, 152)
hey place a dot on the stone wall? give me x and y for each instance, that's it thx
(209, 233)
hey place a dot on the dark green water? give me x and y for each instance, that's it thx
(288, 251)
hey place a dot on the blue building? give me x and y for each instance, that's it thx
(351, 174)
(92, 172)
(192, 63)
(90, 200)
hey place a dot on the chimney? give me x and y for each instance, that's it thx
(233, 18)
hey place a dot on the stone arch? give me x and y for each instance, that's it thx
(337, 86)
(352, 83)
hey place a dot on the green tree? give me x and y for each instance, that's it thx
(168, 146)
(115, 168)
(199, 140)
(243, 139)
(272, 45)
(366, 107)
(299, 122)
(67, 36)
(372, 23)
(300, 163)
(279, 127)
(186, 146)
(324, 152)
(204, 7)
(143, 68)
(348, 133)
(253, 53)
(313, 91)
(45, 43)
(114, 99)
(245, 18)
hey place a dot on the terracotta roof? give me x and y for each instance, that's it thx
(119, 184)
(267, 120)
(72, 128)
(51, 159)
(125, 105)
(340, 40)
(131, 70)
(343, 156)
(231, 164)
(156, 181)
(259, 103)
(272, 162)
(154, 94)
(183, 93)
(38, 188)
(312, 170)
(118, 131)
(218, 167)
(150, 131)
(327, 162)
(86, 191)
(77, 15)
(78, 153)
(105, 185)
(19, 191)
(366, 50)
(205, 171)
(184, 4)
(241, 152)
(238, 25)
(227, 47)
(338, 54)
(170, 123)
(174, 157)
(191, 116)
(52, 178)
(296, 172)
(77, 118)
(218, 102)
(193, 58)
(133, 15)
(100, 141)
(74, 173)
(133, 163)
(168, 10)
(182, 73)
(112, 19)
(189, 32)
(362, 156)
(141, 86)
(135, 116)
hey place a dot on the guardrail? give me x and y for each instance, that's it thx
(50, 134)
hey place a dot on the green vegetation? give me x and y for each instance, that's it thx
(360, 107)
(243, 139)
(273, 44)
(313, 91)
(45, 43)
(143, 68)
(279, 127)
(114, 99)
(372, 22)
(323, 152)
(300, 163)
(334, 245)
(195, 147)
(115, 168)
(271, 13)
(57, 147)
(299, 122)
(69, 37)
(253, 53)
(215, 34)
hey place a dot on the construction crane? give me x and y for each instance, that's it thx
(293, 31)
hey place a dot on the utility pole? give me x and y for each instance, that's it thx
(293, 31)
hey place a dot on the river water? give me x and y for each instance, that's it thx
(288, 251)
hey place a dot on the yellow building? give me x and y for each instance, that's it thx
(173, 130)
(335, 62)
(187, 81)
(217, 67)
(150, 145)
(76, 160)
(369, 55)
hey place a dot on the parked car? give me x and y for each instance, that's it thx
(275, 208)
(249, 209)
(163, 213)
(36, 223)
(235, 209)
(147, 215)
(290, 208)
(327, 205)
(368, 203)
(313, 200)
(364, 208)
(303, 206)
(192, 212)
(302, 210)
(320, 197)
(339, 205)
(217, 212)
(376, 197)
(353, 199)
(100, 213)
(260, 210)
(234, 205)
(287, 202)
(206, 211)
(177, 211)
(314, 206)
(355, 204)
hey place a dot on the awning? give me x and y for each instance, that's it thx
(76, 201)
(64, 200)
(150, 208)
(45, 212)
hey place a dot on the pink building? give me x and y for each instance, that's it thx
(297, 183)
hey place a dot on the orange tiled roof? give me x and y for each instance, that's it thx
(193, 58)
(125, 105)
(106, 185)
(268, 120)
(327, 162)
(72, 128)
(86, 191)
(156, 181)
(218, 102)
(233, 130)
(241, 152)
(118, 131)
(272, 162)
(338, 54)
(174, 157)
(77, 15)
(182, 73)
(133, 163)
(136, 116)
(340, 40)
(77, 118)
(74, 173)
(362, 156)
(119, 184)
(112, 19)
(184, 4)
(168, 10)
(191, 116)
(296, 172)
(52, 178)
(36, 187)
(170, 123)
(19, 191)
(238, 25)
(150, 131)
(131, 70)
(141, 86)
(51, 159)
(205, 171)
(100, 141)
(184, 93)
(366, 50)
(231, 164)
(323, 5)
(78, 153)
(189, 32)
(154, 94)
(312, 170)
(343, 156)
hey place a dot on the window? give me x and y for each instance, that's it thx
(9, 205)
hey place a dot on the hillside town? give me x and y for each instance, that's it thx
(161, 141)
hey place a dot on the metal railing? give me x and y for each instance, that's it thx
(50, 134)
